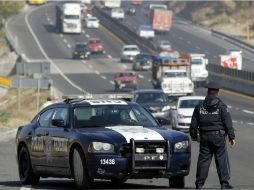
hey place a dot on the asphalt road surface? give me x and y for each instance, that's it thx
(37, 38)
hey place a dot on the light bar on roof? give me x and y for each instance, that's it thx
(97, 96)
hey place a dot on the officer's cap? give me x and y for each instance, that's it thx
(213, 85)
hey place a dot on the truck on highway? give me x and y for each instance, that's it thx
(232, 60)
(68, 17)
(161, 20)
(171, 71)
(112, 3)
(199, 73)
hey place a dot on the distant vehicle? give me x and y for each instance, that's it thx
(146, 31)
(157, 102)
(129, 52)
(131, 11)
(112, 3)
(68, 17)
(142, 61)
(36, 2)
(81, 51)
(95, 45)
(171, 72)
(88, 2)
(161, 20)
(163, 45)
(136, 2)
(158, 6)
(86, 12)
(126, 80)
(92, 22)
(199, 73)
(117, 13)
(100, 138)
(232, 60)
(181, 115)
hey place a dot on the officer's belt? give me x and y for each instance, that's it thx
(217, 132)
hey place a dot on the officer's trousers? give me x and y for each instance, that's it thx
(213, 144)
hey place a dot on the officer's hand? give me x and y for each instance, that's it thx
(232, 143)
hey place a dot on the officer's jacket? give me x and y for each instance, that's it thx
(211, 115)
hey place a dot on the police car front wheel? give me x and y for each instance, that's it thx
(26, 174)
(80, 174)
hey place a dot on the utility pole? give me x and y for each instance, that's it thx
(38, 95)
(248, 32)
(19, 95)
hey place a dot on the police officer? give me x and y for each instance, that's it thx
(213, 122)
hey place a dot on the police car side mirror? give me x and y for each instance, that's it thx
(58, 122)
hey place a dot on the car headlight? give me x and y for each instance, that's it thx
(100, 147)
(180, 116)
(182, 146)
(165, 108)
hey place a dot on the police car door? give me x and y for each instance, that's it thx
(39, 139)
(57, 153)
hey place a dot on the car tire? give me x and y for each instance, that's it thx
(79, 170)
(177, 182)
(26, 174)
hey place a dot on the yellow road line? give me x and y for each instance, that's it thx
(119, 40)
(5, 81)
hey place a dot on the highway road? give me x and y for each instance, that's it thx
(37, 38)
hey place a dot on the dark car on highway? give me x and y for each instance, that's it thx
(87, 138)
(157, 102)
(81, 51)
(142, 61)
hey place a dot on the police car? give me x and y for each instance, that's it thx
(93, 137)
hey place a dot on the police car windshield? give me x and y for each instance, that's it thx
(112, 115)
(189, 103)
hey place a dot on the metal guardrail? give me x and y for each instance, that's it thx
(233, 40)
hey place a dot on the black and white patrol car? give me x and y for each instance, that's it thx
(89, 139)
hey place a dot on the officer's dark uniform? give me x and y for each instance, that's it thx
(213, 121)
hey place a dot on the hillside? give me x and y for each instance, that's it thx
(231, 17)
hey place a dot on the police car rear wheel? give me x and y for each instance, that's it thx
(26, 173)
(81, 178)
(177, 182)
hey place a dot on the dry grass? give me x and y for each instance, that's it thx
(10, 116)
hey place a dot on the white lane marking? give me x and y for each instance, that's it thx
(141, 76)
(90, 66)
(229, 106)
(87, 35)
(51, 23)
(109, 56)
(45, 54)
(247, 111)
(97, 72)
(65, 41)
(137, 133)
(111, 82)
(48, 19)
(69, 46)
(235, 121)
(28, 187)
(103, 77)
(61, 35)
(250, 123)
(84, 62)
(197, 47)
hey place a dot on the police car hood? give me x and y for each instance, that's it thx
(211, 103)
(122, 134)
